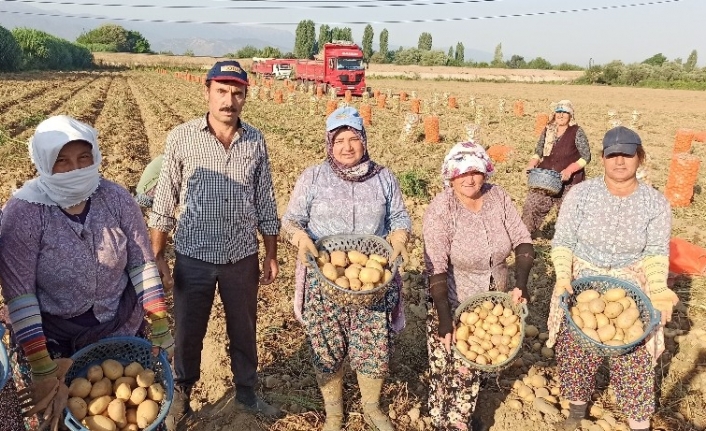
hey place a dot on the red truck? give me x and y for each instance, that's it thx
(341, 68)
(278, 68)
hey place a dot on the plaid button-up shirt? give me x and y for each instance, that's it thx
(222, 196)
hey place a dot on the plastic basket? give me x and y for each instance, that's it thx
(5, 369)
(124, 350)
(545, 180)
(648, 315)
(496, 298)
(367, 244)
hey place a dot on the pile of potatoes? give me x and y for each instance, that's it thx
(354, 270)
(115, 398)
(611, 318)
(490, 334)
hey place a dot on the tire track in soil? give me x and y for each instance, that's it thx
(124, 141)
(158, 118)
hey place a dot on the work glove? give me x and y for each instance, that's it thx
(439, 291)
(304, 245)
(569, 171)
(398, 240)
(662, 297)
(47, 395)
(162, 335)
(563, 260)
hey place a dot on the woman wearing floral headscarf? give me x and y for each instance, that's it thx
(563, 147)
(470, 229)
(75, 261)
(347, 194)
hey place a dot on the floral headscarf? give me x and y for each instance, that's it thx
(365, 168)
(465, 157)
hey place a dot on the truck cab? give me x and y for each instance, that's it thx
(344, 67)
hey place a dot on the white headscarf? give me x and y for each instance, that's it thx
(465, 157)
(64, 189)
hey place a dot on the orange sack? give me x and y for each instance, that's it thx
(686, 258)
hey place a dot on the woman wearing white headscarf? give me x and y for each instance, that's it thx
(470, 229)
(75, 259)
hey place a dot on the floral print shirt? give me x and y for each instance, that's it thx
(472, 247)
(610, 231)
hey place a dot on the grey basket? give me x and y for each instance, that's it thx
(367, 244)
(4, 360)
(496, 298)
(545, 180)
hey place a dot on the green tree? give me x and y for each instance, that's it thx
(516, 62)
(10, 51)
(189, 53)
(305, 39)
(345, 33)
(112, 37)
(324, 36)
(498, 57)
(137, 43)
(460, 54)
(40, 50)
(367, 47)
(384, 38)
(539, 63)
(450, 53)
(248, 51)
(425, 41)
(270, 52)
(656, 60)
(690, 64)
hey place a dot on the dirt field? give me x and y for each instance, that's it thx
(134, 111)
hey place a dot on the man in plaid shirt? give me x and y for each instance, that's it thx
(216, 176)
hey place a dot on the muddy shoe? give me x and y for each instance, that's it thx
(180, 410)
(260, 407)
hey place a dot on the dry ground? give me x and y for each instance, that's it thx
(134, 110)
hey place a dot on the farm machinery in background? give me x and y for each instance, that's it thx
(339, 65)
(277, 68)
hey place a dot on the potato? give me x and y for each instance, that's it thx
(625, 302)
(367, 286)
(112, 369)
(462, 346)
(355, 284)
(94, 373)
(509, 320)
(387, 276)
(374, 264)
(352, 272)
(497, 310)
(497, 329)
(123, 391)
(131, 415)
(606, 332)
(596, 306)
(100, 423)
(379, 259)
(614, 343)
(342, 282)
(492, 318)
(116, 412)
(355, 256)
(80, 387)
(601, 320)
(339, 258)
(146, 413)
(100, 388)
(632, 334)
(329, 271)
(78, 407)
(145, 378)
(98, 405)
(578, 320)
(592, 334)
(627, 318)
(462, 332)
(138, 395)
(613, 309)
(130, 427)
(531, 331)
(471, 318)
(323, 258)
(133, 369)
(587, 296)
(589, 320)
(511, 330)
(131, 382)
(614, 294)
(369, 275)
(471, 355)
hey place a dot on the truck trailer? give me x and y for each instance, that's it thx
(340, 67)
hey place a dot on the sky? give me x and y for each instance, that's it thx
(630, 34)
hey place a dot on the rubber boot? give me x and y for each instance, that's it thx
(370, 399)
(331, 386)
(576, 413)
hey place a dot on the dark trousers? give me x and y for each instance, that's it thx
(194, 291)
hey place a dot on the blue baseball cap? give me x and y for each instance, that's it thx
(621, 140)
(346, 116)
(229, 70)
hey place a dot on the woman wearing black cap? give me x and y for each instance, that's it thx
(616, 226)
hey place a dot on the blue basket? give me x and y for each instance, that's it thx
(496, 298)
(648, 315)
(367, 244)
(5, 369)
(545, 180)
(124, 350)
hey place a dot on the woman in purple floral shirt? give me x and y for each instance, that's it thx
(347, 194)
(470, 229)
(75, 260)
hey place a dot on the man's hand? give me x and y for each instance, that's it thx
(165, 273)
(270, 269)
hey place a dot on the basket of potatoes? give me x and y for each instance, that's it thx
(353, 270)
(489, 330)
(117, 384)
(608, 316)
